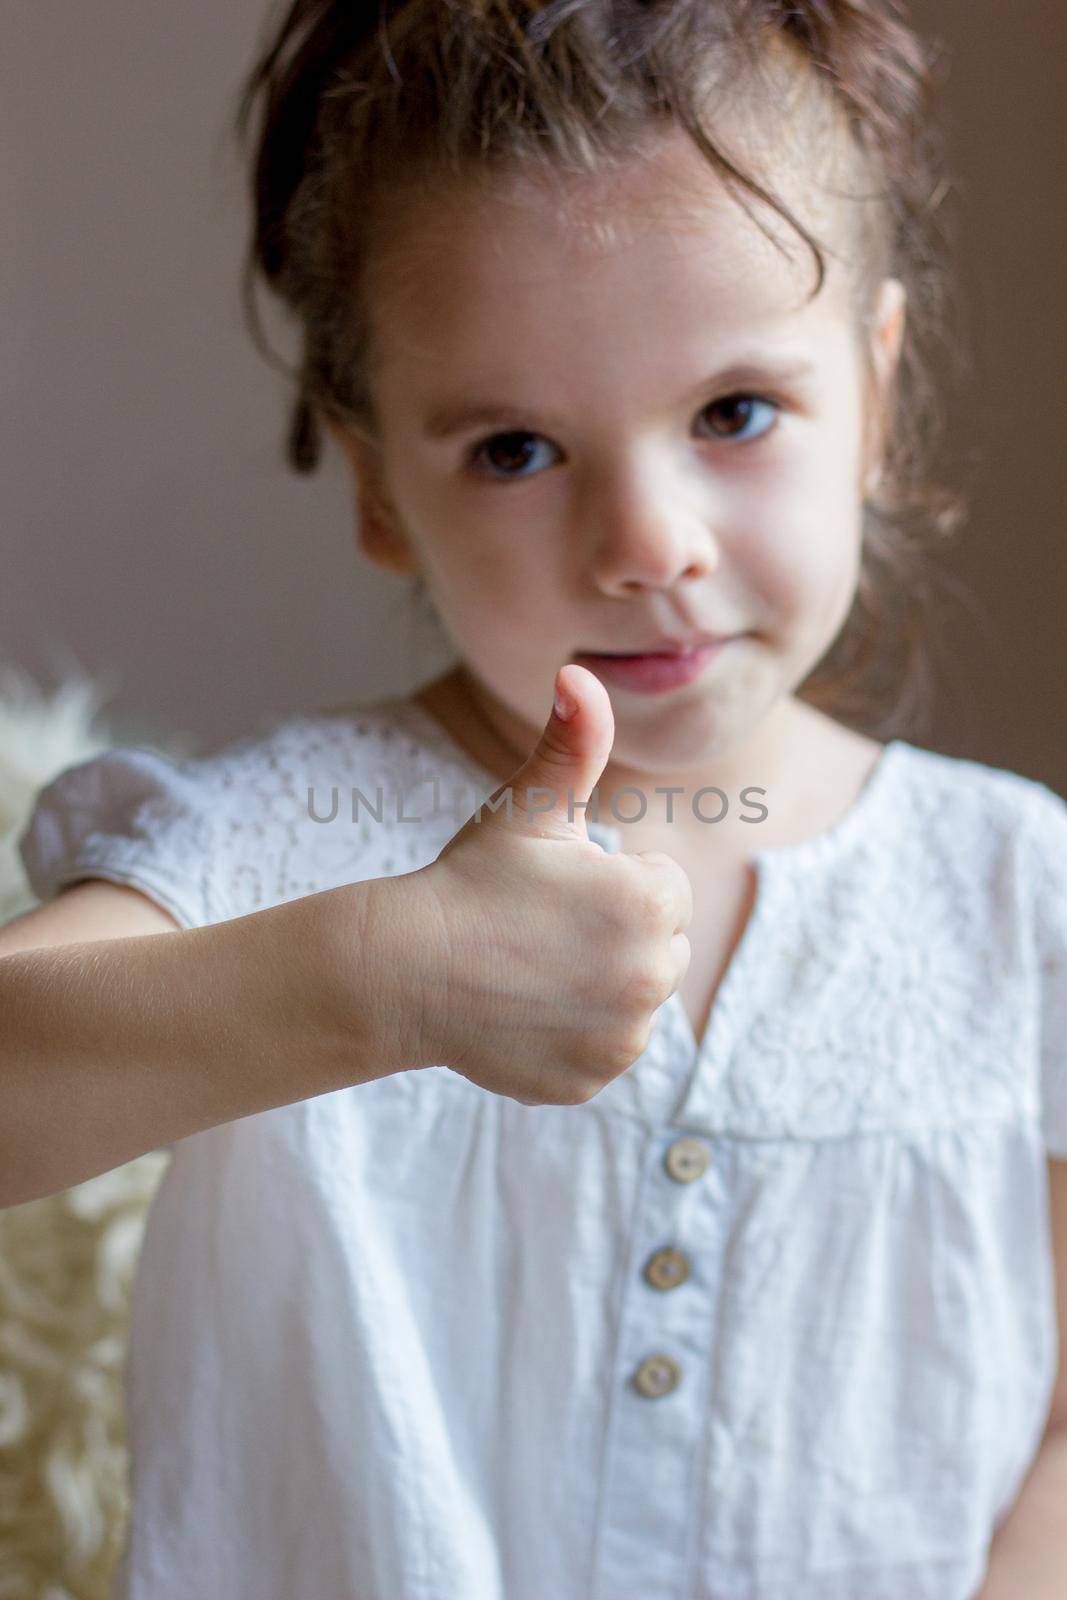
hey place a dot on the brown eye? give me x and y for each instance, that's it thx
(737, 411)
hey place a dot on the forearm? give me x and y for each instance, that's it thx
(115, 1047)
(1028, 1556)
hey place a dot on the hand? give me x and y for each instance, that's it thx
(553, 953)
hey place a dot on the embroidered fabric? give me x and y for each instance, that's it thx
(406, 1318)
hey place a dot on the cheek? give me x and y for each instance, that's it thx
(490, 590)
(484, 592)
(485, 548)
(804, 552)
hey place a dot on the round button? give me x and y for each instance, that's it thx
(686, 1159)
(666, 1269)
(656, 1375)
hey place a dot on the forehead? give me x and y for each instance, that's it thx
(507, 274)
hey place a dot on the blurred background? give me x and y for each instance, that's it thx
(153, 536)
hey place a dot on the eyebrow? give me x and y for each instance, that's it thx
(449, 417)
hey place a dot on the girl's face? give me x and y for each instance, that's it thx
(590, 442)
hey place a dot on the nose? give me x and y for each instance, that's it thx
(652, 536)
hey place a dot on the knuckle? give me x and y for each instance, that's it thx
(615, 918)
(594, 1060)
(580, 1083)
(590, 1069)
(624, 1049)
(662, 899)
(637, 1041)
(649, 987)
(685, 950)
(666, 981)
(648, 913)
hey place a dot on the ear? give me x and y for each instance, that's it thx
(378, 527)
(886, 339)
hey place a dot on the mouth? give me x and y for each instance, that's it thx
(667, 664)
(665, 647)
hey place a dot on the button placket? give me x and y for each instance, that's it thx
(662, 1373)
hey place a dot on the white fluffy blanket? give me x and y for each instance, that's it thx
(66, 1261)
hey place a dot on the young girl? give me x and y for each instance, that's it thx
(715, 1255)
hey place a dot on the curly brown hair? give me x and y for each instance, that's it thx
(362, 104)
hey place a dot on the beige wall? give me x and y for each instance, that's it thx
(150, 529)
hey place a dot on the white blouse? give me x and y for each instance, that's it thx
(771, 1317)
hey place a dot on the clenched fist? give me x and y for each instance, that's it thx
(553, 953)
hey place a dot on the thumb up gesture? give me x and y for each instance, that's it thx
(554, 954)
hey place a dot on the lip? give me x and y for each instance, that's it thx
(667, 645)
(654, 671)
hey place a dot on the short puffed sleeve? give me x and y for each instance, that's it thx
(134, 817)
(1046, 850)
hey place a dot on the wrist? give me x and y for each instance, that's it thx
(385, 975)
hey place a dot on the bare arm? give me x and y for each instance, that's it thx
(112, 1046)
(1028, 1557)
(523, 957)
